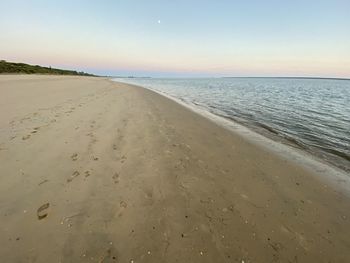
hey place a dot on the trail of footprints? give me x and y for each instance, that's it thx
(34, 131)
(74, 157)
(46, 120)
(76, 173)
(115, 178)
(44, 117)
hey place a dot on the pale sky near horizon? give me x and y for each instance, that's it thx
(180, 38)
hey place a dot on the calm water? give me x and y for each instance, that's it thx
(313, 114)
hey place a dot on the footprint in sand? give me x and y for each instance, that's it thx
(87, 173)
(42, 211)
(35, 130)
(74, 157)
(42, 182)
(123, 159)
(123, 205)
(75, 174)
(26, 137)
(114, 147)
(92, 124)
(115, 178)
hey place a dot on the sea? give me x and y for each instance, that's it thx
(311, 114)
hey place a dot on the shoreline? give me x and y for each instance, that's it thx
(324, 145)
(100, 171)
(277, 145)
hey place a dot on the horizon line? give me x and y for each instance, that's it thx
(230, 77)
(183, 77)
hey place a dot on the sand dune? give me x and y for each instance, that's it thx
(96, 171)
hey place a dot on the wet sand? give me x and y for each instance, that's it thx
(96, 171)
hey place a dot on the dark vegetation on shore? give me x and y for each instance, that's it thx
(22, 68)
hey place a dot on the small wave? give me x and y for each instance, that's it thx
(266, 127)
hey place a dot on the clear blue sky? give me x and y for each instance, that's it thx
(181, 38)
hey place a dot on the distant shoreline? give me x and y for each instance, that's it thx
(322, 78)
(148, 77)
(23, 68)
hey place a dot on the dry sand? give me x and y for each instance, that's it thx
(95, 171)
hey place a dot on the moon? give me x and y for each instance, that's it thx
(158, 21)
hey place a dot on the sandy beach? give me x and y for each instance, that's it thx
(97, 171)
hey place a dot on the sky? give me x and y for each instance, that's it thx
(180, 38)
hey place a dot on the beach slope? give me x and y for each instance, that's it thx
(97, 171)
